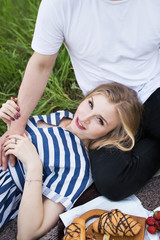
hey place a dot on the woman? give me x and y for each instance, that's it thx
(53, 159)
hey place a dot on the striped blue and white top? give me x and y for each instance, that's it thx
(66, 166)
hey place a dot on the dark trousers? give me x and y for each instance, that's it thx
(118, 174)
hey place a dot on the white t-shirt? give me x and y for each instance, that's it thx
(107, 40)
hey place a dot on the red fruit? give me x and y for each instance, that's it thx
(157, 224)
(150, 221)
(151, 229)
(156, 215)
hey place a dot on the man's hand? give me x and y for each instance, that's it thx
(32, 87)
(3, 158)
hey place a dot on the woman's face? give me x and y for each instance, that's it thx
(94, 118)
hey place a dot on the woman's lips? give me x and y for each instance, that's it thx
(79, 124)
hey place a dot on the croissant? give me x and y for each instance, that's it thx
(76, 230)
(116, 223)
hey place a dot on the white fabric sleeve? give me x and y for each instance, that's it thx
(48, 34)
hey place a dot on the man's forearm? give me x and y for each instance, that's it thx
(34, 82)
(33, 85)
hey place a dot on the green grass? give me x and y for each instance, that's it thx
(17, 21)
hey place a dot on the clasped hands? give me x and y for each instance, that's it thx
(10, 114)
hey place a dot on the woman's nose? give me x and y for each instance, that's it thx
(86, 119)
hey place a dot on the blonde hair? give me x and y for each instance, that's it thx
(130, 111)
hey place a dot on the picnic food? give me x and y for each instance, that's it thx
(156, 215)
(91, 234)
(113, 223)
(116, 223)
(76, 230)
(153, 223)
(151, 229)
(92, 213)
(157, 224)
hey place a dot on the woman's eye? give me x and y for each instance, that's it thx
(101, 121)
(90, 104)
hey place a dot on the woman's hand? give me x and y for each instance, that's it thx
(10, 111)
(23, 149)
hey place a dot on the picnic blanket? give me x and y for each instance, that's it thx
(149, 197)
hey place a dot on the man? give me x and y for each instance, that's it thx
(107, 40)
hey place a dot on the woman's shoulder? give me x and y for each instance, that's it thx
(52, 118)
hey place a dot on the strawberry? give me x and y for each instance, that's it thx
(150, 221)
(156, 215)
(151, 229)
(157, 224)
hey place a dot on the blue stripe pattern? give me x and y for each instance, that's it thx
(10, 197)
(66, 162)
(77, 168)
(66, 167)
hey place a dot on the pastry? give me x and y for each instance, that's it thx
(92, 235)
(76, 230)
(92, 213)
(113, 223)
(116, 223)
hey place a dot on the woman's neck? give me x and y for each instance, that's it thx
(66, 123)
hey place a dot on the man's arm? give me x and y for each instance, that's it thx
(33, 85)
